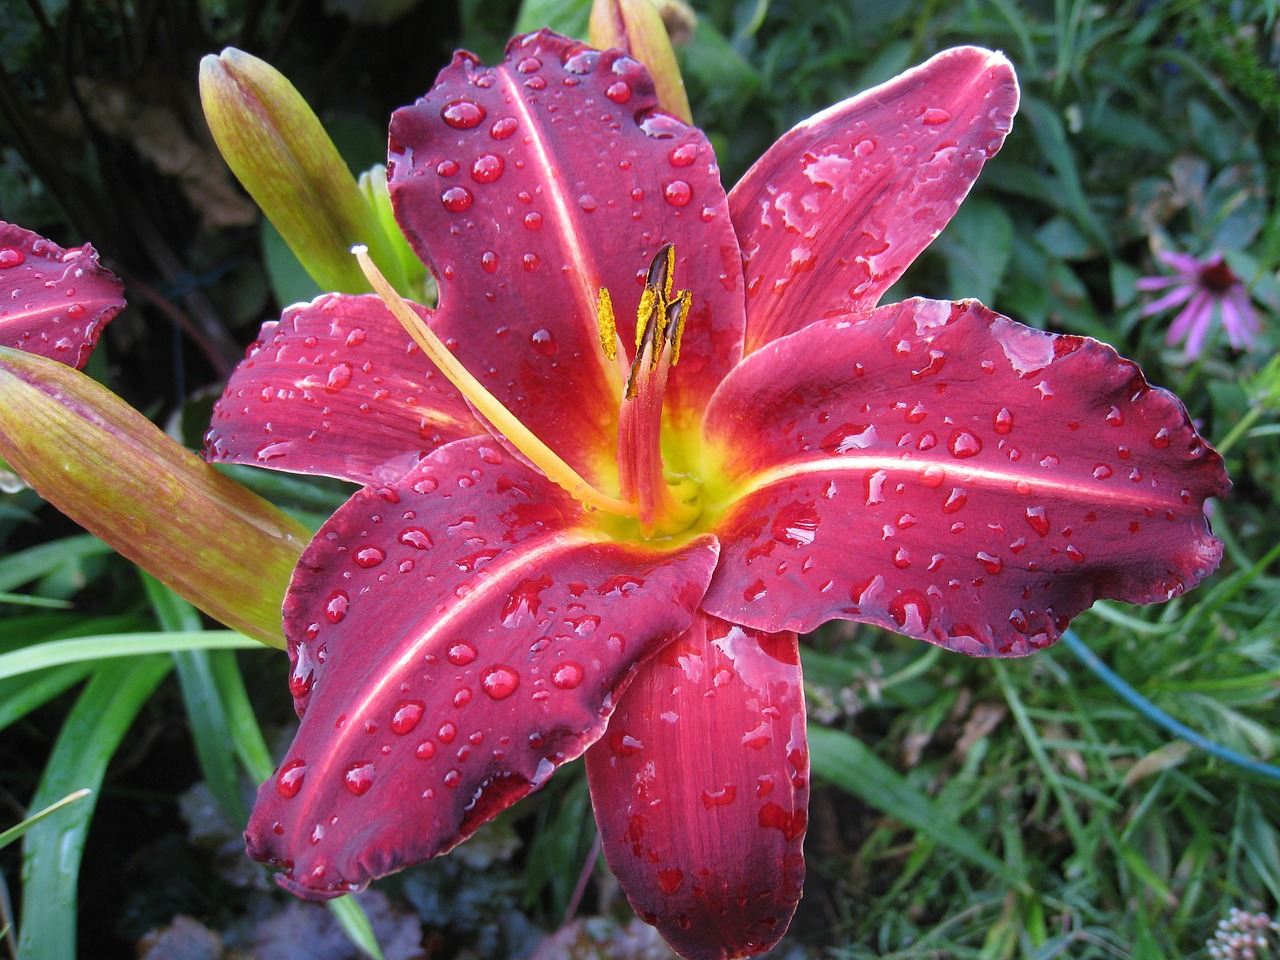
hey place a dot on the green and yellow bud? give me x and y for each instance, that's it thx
(107, 467)
(280, 152)
(637, 27)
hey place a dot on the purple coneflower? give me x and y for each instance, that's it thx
(1206, 287)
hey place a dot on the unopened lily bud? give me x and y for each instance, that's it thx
(115, 473)
(636, 26)
(277, 148)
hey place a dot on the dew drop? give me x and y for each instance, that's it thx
(683, 155)
(964, 444)
(1074, 553)
(452, 779)
(796, 524)
(463, 114)
(533, 221)
(567, 675)
(1038, 520)
(75, 311)
(461, 653)
(289, 779)
(543, 342)
(425, 750)
(618, 92)
(588, 203)
(462, 697)
(529, 65)
(335, 608)
(10, 257)
(623, 744)
(991, 563)
(338, 378)
(669, 879)
(487, 168)
(499, 681)
(530, 262)
(1161, 439)
(359, 777)
(447, 168)
(407, 715)
(933, 476)
(416, 537)
(933, 116)
(754, 591)
(956, 499)
(911, 611)
(489, 261)
(536, 83)
(901, 558)
(369, 557)
(1115, 417)
(447, 732)
(678, 193)
(1101, 472)
(1003, 420)
(719, 798)
(456, 199)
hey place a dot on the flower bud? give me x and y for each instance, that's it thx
(636, 26)
(277, 148)
(107, 467)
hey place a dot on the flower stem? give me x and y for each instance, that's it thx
(489, 406)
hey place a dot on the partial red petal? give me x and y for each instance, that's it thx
(530, 185)
(337, 388)
(454, 637)
(53, 302)
(942, 471)
(701, 790)
(835, 211)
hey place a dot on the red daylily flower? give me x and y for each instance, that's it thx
(463, 626)
(53, 302)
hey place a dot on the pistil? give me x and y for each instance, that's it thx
(489, 406)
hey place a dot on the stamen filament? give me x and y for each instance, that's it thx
(490, 407)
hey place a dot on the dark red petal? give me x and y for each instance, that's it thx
(337, 388)
(530, 185)
(834, 212)
(942, 471)
(53, 302)
(454, 638)
(701, 790)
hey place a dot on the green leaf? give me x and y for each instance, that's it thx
(568, 17)
(977, 245)
(848, 764)
(53, 848)
(56, 653)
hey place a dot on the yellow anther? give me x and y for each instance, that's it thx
(670, 250)
(684, 299)
(607, 324)
(648, 303)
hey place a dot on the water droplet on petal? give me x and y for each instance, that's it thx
(10, 257)
(567, 675)
(618, 92)
(543, 342)
(335, 608)
(338, 378)
(461, 653)
(425, 750)
(369, 557)
(623, 744)
(1038, 520)
(1115, 417)
(933, 116)
(533, 221)
(407, 715)
(1161, 438)
(1003, 420)
(991, 563)
(489, 261)
(683, 155)
(447, 732)
(359, 777)
(500, 681)
(669, 879)
(289, 779)
(719, 798)
(956, 499)
(463, 114)
(964, 444)
(416, 537)
(529, 65)
(678, 193)
(1101, 472)
(456, 199)
(487, 168)
(911, 611)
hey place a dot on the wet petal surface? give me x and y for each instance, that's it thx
(454, 638)
(835, 210)
(337, 388)
(942, 471)
(53, 302)
(701, 790)
(530, 185)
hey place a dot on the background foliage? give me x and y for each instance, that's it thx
(970, 809)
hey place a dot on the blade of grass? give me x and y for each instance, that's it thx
(210, 728)
(19, 830)
(107, 646)
(53, 848)
(850, 765)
